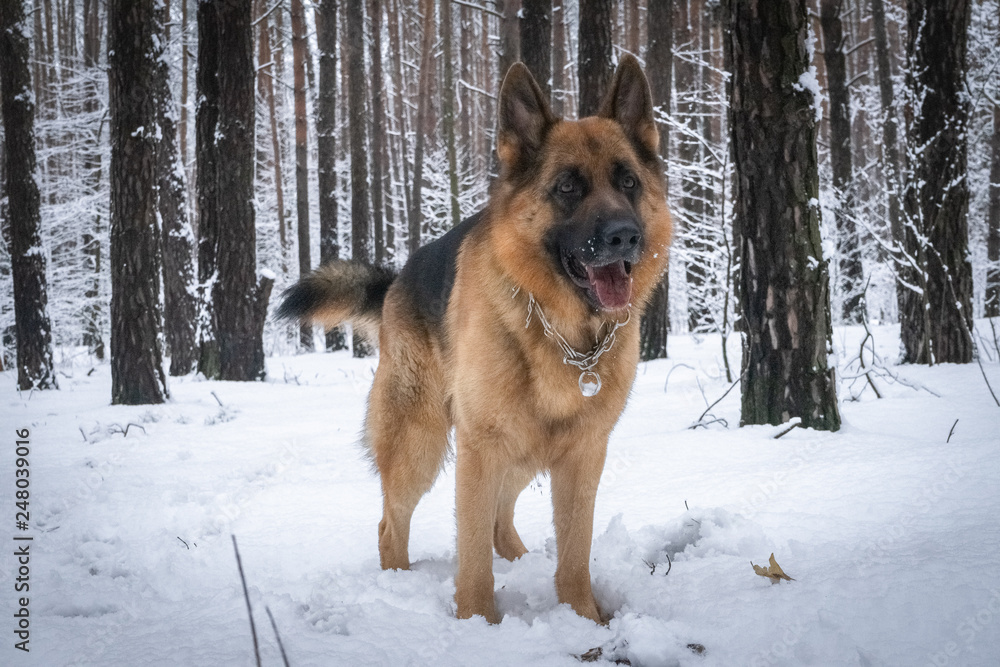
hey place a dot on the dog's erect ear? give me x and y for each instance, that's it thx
(630, 103)
(524, 118)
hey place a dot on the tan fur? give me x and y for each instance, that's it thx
(516, 407)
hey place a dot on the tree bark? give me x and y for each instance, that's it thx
(184, 82)
(691, 212)
(936, 328)
(464, 94)
(180, 307)
(27, 258)
(416, 214)
(559, 58)
(992, 302)
(301, 153)
(632, 11)
(207, 156)
(360, 210)
(536, 41)
(783, 280)
(134, 38)
(403, 148)
(891, 161)
(265, 86)
(510, 35)
(326, 143)
(655, 323)
(233, 310)
(594, 59)
(448, 110)
(378, 149)
(850, 271)
(38, 56)
(93, 309)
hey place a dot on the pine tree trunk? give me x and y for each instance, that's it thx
(180, 307)
(326, 143)
(594, 59)
(93, 309)
(632, 11)
(691, 213)
(510, 34)
(487, 81)
(184, 82)
(207, 156)
(850, 272)
(448, 110)
(992, 302)
(783, 280)
(464, 94)
(937, 327)
(656, 320)
(558, 58)
(39, 73)
(403, 148)
(326, 128)
(134, 36)
(891, 162)
(31, 321)
(536, 41)
(265, 85)
(361, 250)
(416, 214)
(378, 152)
(301, 153)
(237, 303)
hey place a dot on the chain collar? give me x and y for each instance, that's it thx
(590, 380)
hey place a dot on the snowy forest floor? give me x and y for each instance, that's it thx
(890, 532)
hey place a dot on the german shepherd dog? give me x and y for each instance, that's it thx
(519, 328)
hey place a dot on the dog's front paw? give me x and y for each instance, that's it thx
(474, 606)
(588, 609)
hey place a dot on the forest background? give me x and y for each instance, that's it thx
(374, 133)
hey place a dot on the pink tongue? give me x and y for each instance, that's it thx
(611, 284)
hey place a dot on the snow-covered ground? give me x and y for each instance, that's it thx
(892, 534)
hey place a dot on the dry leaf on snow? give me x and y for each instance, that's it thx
(772, 572)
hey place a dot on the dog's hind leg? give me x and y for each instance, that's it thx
(505, 538)
(407, 431)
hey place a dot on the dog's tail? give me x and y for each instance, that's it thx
(340, 291)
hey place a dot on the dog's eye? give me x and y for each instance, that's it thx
(628, 181)
(567, 187)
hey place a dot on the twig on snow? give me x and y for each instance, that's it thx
(717, 401)
(277, 635)
(246, 596)
(124, 431)
(951, 432)
(793, 423)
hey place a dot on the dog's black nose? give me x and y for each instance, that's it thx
(621, 235)
(615, 239)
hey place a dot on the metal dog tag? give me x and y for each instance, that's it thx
(590, 383)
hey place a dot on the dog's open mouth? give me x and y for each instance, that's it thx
(609, 286)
